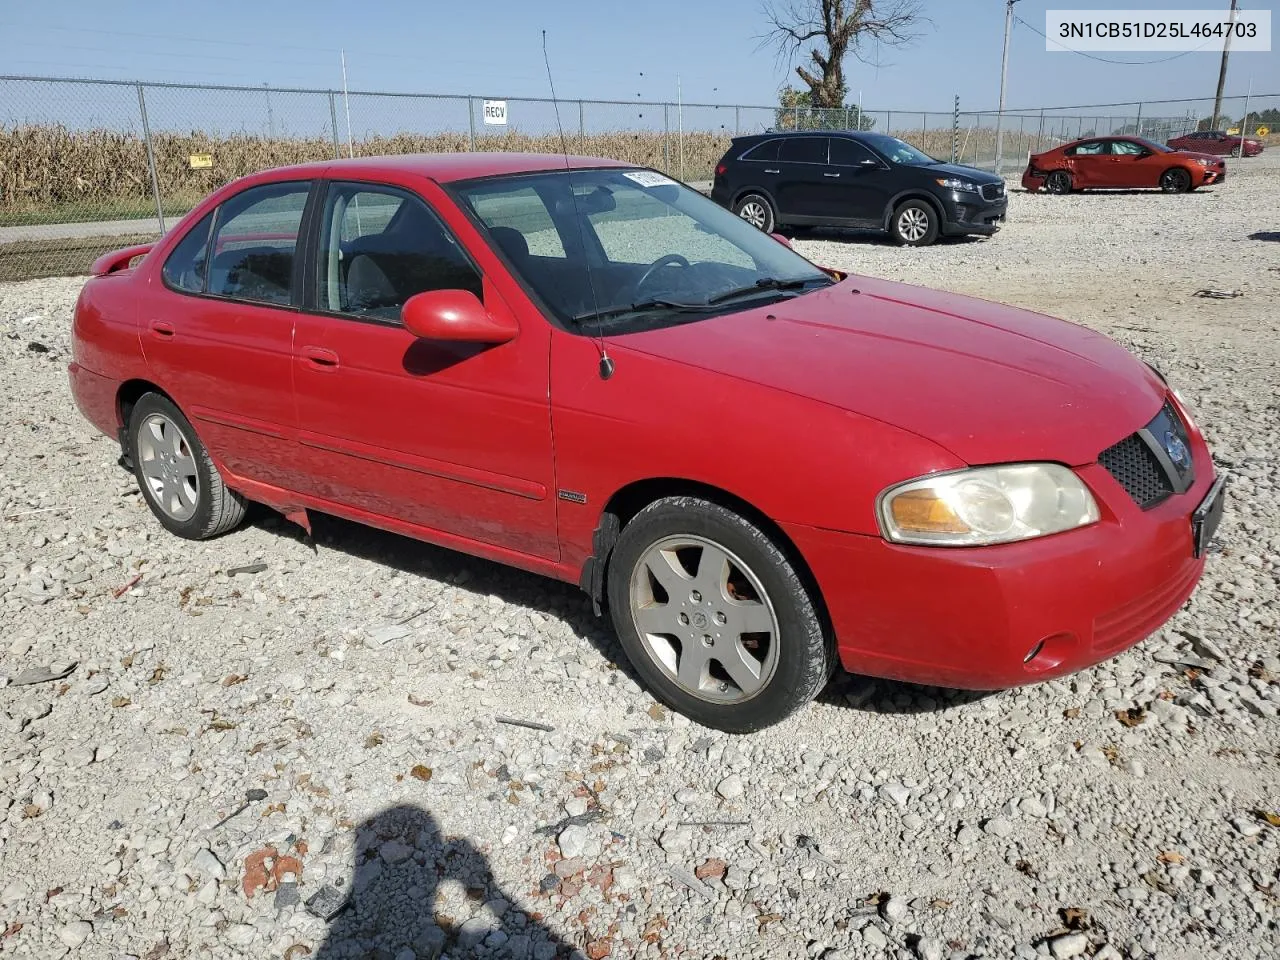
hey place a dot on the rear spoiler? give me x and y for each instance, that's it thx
(118, 260)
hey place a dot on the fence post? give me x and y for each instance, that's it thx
(1138, 123)
(333, 122)
(1040, 132)
(666, 138)
(955, 132)
(888, 122)
(582, 127)
(151, 158)
(737, 120)
(471, 124)
(924, 123)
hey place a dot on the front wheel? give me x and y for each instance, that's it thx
(757, 211)
(714, 617)
(914, 224)
(176, 475)
(1176, 180)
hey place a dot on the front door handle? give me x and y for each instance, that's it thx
(773, 171)
(831, 174)
(318, 358)
(162, 329)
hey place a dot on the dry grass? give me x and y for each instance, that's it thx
(28, 259)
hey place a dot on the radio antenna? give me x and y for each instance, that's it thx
(606, 362)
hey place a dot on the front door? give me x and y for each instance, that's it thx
(449, 437)
(857, 182)
(223, 347)
(801, 189)
(1132, 165)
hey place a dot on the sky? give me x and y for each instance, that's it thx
(598, 50)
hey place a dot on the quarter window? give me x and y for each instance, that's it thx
(254, 243)
(187, 265)
(381, 246)
(804, 150)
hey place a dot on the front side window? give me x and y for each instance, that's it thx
(804, 150)
(849, 153)
(187, 265)
(640, 250)
(1127, 148)
(378, 247)
(254, 242)
(898, 151)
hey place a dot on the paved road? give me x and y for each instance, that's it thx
(99, 228)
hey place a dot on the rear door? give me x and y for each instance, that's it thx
(858, 184)
(802, 190)
(217, 329)
(1090, 164)
(448, 437)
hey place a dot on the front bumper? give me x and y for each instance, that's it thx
(987, 618)
(969, 213)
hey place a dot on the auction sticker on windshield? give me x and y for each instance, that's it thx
(647, 178)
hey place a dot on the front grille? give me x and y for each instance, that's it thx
(1136, 469)
(992, 191)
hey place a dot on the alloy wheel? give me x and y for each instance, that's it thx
(754, 213)
(168, 467)
(705, 619)
(913, 224)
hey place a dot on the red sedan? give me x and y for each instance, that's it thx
(1113, 162)
(1217, 142)
(584, 369)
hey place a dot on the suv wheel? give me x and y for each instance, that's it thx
(714, 617)
(756, 210)
(175, 474)
(914, 224)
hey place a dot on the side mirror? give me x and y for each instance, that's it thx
(781, 239)
(456, 315)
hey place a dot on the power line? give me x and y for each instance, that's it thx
(1089, 56)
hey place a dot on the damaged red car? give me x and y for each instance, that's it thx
(1120, 162)
(760, 469)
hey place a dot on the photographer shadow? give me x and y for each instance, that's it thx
(391, 912)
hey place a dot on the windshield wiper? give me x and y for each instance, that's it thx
(764, 283)
(644, 306)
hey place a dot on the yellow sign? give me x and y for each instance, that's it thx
(1263, 131)
(201, 161)
(1234, 131)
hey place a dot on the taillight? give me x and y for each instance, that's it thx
(720, 169)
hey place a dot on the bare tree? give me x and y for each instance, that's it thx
(830, 30)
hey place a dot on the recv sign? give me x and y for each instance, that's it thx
(495, 111)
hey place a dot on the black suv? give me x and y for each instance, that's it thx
(839, 179)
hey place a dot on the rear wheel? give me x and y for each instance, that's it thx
(914, 224)
(1175, 180)
(714, 617)
(1058, 182)
(176, 475)
(756, 210)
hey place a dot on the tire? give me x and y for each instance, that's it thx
(1058, 182)
(175, 474)
(914, 224)
(756, 209)
(1175, 180)
(781, 666)
(1235, 151)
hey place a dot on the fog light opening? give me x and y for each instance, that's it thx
(1033, 652)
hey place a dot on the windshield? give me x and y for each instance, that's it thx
(899, 151)
(658, 252)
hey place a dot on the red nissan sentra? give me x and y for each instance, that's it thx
(759, 468)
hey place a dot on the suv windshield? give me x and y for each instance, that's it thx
(899, 151)
(631, 247)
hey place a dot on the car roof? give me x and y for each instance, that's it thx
(448, 167)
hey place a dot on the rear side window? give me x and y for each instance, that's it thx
(804, 150)
(766, 152)
(254, 243)
(1093, 148)
(187, 265)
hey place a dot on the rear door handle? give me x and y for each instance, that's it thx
(773, 171)
(831, 174)
(318, 358)
(162, 329)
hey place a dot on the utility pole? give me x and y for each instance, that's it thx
(1222, 71)
(1004, 76)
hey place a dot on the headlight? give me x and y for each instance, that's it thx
(953, 183)
(986, 505)
(1205, 163)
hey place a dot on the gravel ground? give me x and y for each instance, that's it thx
(358, 683)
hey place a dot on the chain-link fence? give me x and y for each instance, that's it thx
(87, 166)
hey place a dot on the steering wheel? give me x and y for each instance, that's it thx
(669, 260)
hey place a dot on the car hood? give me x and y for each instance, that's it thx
(959, 170)
(990, 383)
(1196, 155)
